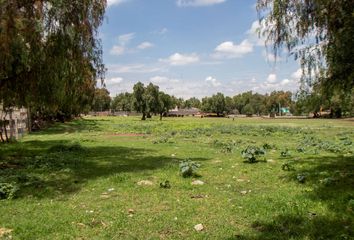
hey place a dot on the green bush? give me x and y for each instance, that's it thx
(252, 153)
(285, 153)
(8, 190)
(166, 184)
(188, 168)
(287, 166)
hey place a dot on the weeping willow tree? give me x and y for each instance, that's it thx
(319, 33)
(50, 55)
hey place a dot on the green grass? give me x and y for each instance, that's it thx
(79, 180)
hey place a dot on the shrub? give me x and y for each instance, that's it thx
(328, 181)
(188, 168)
(300, 149)
(287, 166)
(351, 204)
(267, 146)
(251, 153)
(285, 153)
(8, 190)
(301, 178)
(165, 184)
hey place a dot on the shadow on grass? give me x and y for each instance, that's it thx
(77, 125)
(332, 181)
(49, 169)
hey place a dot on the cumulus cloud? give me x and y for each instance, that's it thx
(198, 3)
(117, 50)
(212, 81)
(161, 80)
(254, 34)
(115, 2)
(115, 80)
(272, 78)
(124, 39)
(178, 59)
(145, 45)
(161, 31)
(271, 57)
(297, 75)
(134, 68)
(232, 50)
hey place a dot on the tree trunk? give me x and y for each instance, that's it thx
(12, 126)
(29, 120)
(144, 117)
(160, 116)
(1, 131)
(6, 136)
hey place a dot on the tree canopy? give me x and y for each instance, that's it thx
(317, 32)
(50, 55)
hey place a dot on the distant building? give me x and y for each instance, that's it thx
(285, 111)
(183, 112)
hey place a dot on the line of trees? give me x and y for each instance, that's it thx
(149, 100)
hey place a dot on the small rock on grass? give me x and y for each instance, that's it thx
(199, 227)
(145, 183)
(5, 232)
(197, 182)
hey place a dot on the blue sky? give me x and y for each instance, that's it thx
(191, 48)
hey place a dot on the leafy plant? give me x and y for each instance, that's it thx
(8, 190)
(328, 181)
(268, 146)
(163, 139)
(287, 166)
(188, 168)
(300, 149)
(251, 153)
(351, 204)
(285, 153)
(165, 184)
(301, 178)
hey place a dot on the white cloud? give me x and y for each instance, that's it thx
(115, 80)
(198, 3)
(161, 31)
(117, 50)
(145, 45)
(213, 81)
(271, 57)
(115, 2)
(255, 27)
(272, 78)
(231, 50)
(125, 38)
(134, 68)
(178, 59)
(297, 75)
(162, 80)
(285, 82)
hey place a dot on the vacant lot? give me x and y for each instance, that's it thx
(99, 178)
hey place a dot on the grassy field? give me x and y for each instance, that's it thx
(79, 180)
